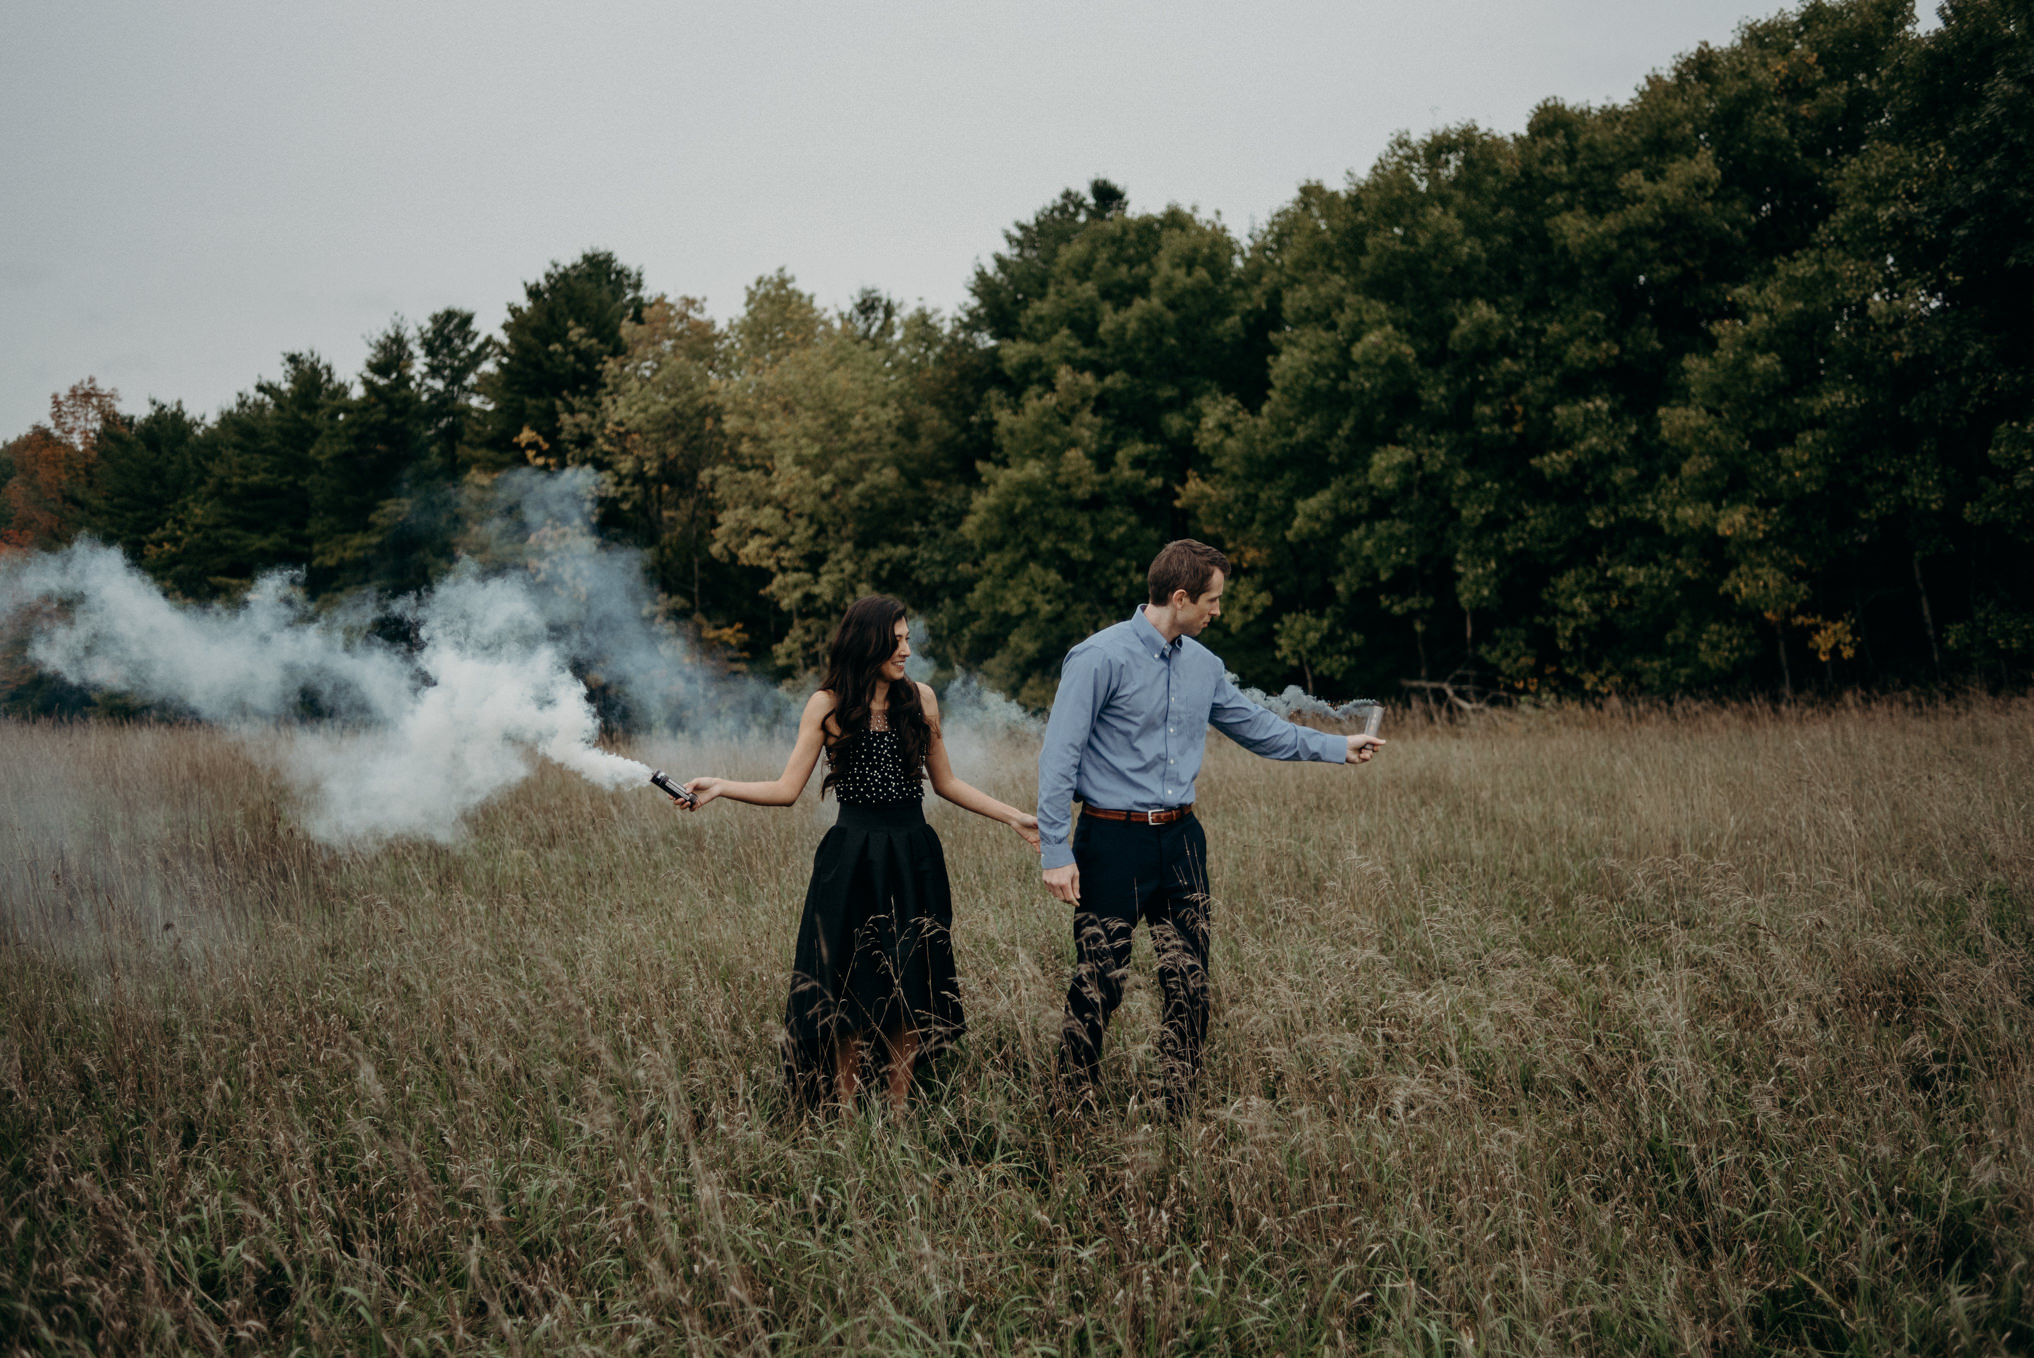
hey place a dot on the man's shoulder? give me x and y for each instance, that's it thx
(1103, 644)
(1201, 657)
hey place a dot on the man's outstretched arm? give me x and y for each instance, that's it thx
(1262, 732)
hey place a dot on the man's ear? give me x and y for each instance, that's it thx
(1180, 599)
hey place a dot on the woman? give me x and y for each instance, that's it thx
(875, 947)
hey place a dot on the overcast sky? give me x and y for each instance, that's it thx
(193, 188)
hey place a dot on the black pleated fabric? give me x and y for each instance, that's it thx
(875, 945)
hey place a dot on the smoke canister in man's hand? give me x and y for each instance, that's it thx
(1368, 714)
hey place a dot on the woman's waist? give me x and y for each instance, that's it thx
(899, 814)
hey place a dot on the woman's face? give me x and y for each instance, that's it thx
(893, 668)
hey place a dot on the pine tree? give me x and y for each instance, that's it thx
(554, 346)
(373, 442)
(147, 468)
(253, 513)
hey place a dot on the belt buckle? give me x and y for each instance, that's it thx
(1151, 818)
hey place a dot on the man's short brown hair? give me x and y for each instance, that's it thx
(1184, 564)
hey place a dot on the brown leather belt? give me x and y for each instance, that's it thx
(1140, 817)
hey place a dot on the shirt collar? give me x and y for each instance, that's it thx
(1152, 639)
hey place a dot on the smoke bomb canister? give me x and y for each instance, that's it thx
(662, 780)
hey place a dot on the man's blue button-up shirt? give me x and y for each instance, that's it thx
(1130, 724)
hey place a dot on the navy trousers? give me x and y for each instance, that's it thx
(1131, 872)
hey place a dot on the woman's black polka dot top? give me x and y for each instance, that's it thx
(875, 769)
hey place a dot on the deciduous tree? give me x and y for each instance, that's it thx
(837, 472)
(46, 494)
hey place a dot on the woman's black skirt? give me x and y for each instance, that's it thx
(875, 946)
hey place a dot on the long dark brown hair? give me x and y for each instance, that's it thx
(865, 639)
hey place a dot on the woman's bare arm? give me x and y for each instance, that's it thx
(783, 790)
(964, 795)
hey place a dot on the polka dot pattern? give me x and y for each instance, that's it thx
(875, 771)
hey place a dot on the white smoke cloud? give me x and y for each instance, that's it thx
(384, 741)
(413, 739)
(592, 596)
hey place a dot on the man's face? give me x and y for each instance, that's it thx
(1195, 614)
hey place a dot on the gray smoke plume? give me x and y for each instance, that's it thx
(413, 739)
(1297, 702)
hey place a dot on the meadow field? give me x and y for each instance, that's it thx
(1675, 1032)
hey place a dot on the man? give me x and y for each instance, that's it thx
(1126, 735)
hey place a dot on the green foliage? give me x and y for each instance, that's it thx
(1725, 388)
(1063, 535)
(253, 512)
(146, 468)
(1113, 331)
(657, 436)
(838, 466)
(375, 439)
(1005, 287)
(1642, 398)
(554, 348)
(453, 355)
(352, 486)
(1311, 641)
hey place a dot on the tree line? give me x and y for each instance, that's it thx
(1727, 388)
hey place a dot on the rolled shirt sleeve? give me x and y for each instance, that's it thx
(1083, 687)
(1261, 732)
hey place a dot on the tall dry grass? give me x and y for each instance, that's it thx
(1560, 1034)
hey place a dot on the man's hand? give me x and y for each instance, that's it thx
(1065, 883)
(1361, 748)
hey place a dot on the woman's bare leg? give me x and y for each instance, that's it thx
(903, 1056)
(847, 1064)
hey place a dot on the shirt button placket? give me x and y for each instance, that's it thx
(1169, 760)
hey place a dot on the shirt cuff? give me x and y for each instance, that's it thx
(1332, 749)
(1055, 855)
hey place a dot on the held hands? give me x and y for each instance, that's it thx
(703, 790)
(1362, 747)
(1026, 825)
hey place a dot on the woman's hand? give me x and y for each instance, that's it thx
(703, 790)
(1026, 825)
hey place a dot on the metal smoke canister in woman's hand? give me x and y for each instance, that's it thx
(678, 794)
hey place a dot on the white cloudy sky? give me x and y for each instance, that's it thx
(190, 189)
